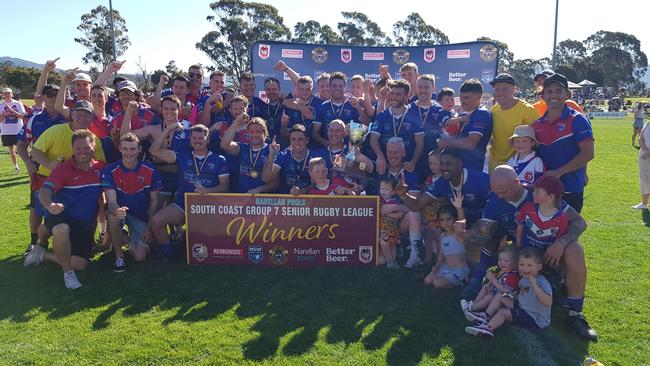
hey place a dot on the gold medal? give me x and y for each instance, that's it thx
(253, 174)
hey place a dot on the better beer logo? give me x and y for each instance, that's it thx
(401, 56)
(319, 55)
(264, 51)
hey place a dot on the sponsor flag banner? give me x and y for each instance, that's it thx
(282, 230)
(450, 63)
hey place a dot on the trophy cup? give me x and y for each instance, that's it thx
(349, 166)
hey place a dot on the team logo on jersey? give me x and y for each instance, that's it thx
(141, 179)
(199, 252)
(401, 56)
(256, 253)
(529, 176)
(346, 55)
(278, 255)
(429, 54)
(365, 254)
(264, 51)
(319, 55)
(488, 52)
(561, 127)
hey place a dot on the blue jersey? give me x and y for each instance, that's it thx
(132, 186)
(479, 122)
(329, 111)
(296, 117)
(475, 189)
(251, 165)
(206, 171)
(257, 108)
(37, 124)
(180, 141)
(559, 143)
(215, 114)
(406, 126)
(432, 120)
(504, 212)
(294, 173)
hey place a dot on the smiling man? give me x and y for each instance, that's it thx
(508, 113)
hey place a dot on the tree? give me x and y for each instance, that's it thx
(625, 42)
(414, 31)
(568, 52)
(506, 57)
(22, 80)
(142, 78)
(155, 77)
(96, 29)
(172, 69)
(612, 66)
(359, 30)
(239, 25)
(313, 32)
(523, 72)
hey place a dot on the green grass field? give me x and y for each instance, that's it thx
(178, 314)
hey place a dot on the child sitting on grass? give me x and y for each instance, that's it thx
(502, 280)
(532, 306)
(451, 263)
(526, 163)
(392, 210)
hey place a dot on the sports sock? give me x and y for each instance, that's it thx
(34, 238)
(575, 305)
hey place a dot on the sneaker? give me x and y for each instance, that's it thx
(16, 170)
(476, 316)
(35, 256)
(579, 325)
(640, 206)
(119, 266)
(392, 264)
(471, 289)
(480, 330)
(466, 305)
(71, 281)
(28, 249)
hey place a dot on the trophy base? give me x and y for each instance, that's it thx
(353, 169)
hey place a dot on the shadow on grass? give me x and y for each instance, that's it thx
(645, 214)
(378, 309)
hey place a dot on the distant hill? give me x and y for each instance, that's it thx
(20, 62)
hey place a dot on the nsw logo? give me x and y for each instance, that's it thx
(365, 254)
(256, 253)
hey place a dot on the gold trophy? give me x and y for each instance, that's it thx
(349, 166)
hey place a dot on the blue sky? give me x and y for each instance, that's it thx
(164, 30)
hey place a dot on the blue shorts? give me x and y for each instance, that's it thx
(136, 229)
(455, 276)
(522, 318)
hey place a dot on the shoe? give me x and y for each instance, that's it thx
(157, 256)
(640, 206)
(392, 264)
(479, 330)
(16, 170)
(475, 316)
(471, 289)
(35, 256)
(466, 305)
(71, 281)
(27, 250)
(579, 325)
(119, 266)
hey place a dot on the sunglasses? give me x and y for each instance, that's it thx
(195, 75)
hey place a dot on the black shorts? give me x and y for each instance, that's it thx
(9, 140)
(81, 235)
(522, 318)
(33, 196)
(574, 200)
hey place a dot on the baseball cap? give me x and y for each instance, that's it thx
(84, 105)
(552, 185)
(82, 77)
(557, 78)
(7, 90)
(126, 84)
(50, 88)
(523, 131)
(503, 78)
(118, 80)
(545, 73)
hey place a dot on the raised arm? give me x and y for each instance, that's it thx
(227, 143)
(112, 68)
(281, 66)
(50, 65)
(155, 100)
(59, 104)
(270, 171)
(157, 150)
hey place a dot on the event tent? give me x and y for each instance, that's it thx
(587, 83)
(574, 85)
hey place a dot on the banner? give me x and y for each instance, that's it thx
(607, 115)
(282, 230)
(451, 63)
